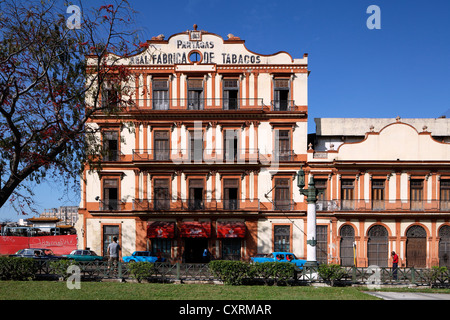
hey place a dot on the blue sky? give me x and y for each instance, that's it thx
(402, 69)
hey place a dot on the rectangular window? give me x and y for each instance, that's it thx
(161, 194)
(347, 194)
(109, 232)
(283, 150)
(160, 94)
(196, 190)
(162, 246)
(231, 143)
(322, 244)
(230, 94)
(110, 98)
(281, 238)
(110, 146)
(196, 145)
(230, 194)
(161, 145)
(445, 195)
(231, 249)
(321, 204)
(281, 95)
(378, 194)
(110, 194)
(282, 199)
(416, 194)
(195, 94)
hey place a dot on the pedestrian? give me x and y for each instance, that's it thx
(394, 264)
(113, 253)
(206, 256)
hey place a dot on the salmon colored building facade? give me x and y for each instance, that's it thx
(206, 154)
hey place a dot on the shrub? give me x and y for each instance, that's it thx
(231, 272)
(15, 268)
(141, 270)
(436, 275)
(278, 272)
(330, 273)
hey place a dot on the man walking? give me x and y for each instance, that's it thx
(113, 253)
(394, 264)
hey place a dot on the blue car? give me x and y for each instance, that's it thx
(280, 257)
(143, 256)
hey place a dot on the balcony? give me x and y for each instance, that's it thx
(207, 104)
(383, 205)
(196, 205)
(283, 205)
(283, 155)
(283, 105)
(113, 155)
(111, 205)
(207, 156)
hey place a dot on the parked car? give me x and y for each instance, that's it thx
(36, 253)
(143, 256)
(280, 257)
(84, 255)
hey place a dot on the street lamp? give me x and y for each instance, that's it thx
(311, 194)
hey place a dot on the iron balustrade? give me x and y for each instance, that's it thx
(186, 155)
(225, 104)
(111, 205)
(209, 204)
(283, 105)
(283, 155)
(383, 205)
(283, 205)
(112, 155)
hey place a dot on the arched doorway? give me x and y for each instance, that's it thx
(346, 246)
(444, 246)
(377, 246)
(416, 247)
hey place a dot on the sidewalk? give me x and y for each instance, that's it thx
(409, 295)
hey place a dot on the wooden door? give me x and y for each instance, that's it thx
(416, 247)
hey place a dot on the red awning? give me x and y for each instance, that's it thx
(230, 229)
(161, 229)
(195, 229)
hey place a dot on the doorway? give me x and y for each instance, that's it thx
(416, 247)
(193, 249)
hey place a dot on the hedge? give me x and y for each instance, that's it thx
(238, 272)
(141, 270)
(15, 268)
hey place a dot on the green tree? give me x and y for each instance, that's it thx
(47, 71)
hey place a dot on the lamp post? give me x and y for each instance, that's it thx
(311, 194)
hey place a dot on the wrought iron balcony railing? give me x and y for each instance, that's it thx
(383, 205)
(184, 155)
(196, 204)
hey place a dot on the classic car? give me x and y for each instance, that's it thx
(143, 256)
(83, 255)
(279, 257)
(36, 253)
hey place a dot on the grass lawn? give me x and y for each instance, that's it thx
(48, 290)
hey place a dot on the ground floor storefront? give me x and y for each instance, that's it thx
(348, 241)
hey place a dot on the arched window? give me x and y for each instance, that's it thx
(377, 246)
(346, 250)
(444, 246)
